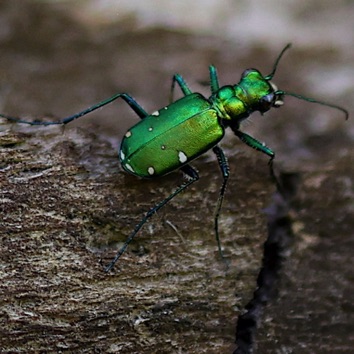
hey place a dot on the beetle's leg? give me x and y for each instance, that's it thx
(193, 176)
(214, 80)
(181, 83)
(254, 143)
(224, 167)
(127, 98)
(214, 83)
(257, 145)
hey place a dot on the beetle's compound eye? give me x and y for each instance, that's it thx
(266, 102)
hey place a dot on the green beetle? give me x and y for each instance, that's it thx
(170, 138)
(178, 133)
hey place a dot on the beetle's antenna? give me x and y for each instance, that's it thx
(308, 99)
(270, 76)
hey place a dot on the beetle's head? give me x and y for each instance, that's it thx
(270, 96)
(262, 94)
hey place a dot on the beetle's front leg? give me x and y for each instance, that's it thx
(262, 147)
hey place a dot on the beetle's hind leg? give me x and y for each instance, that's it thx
(193, 176)
(224, 167)
(134, 105)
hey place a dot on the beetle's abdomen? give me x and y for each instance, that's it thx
(171, 137)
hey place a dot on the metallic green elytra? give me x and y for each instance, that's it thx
(171, 137)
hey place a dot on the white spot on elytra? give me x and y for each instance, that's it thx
(150, 129)
(182, 157)
(122, 155)
(156, 113)
(151, 170)
(163, 147)
(128, 134)
(128, 167)
(165, 107)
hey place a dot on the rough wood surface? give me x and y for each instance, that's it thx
(67, 206)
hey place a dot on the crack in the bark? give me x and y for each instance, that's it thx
(279, 237)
